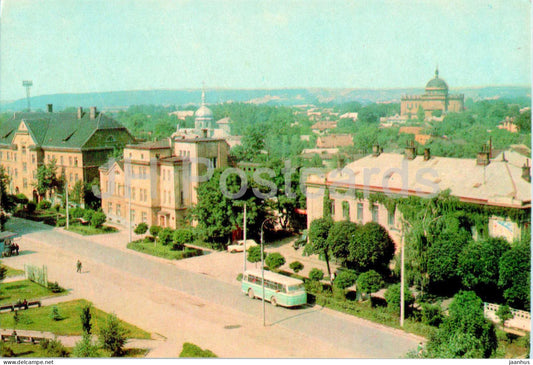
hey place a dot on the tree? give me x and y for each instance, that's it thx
(98, 219)
(77, 193)
(316, 274)
(54, 348)
(85, 347)
(504, 314)
(393, 297)
(464, 333)
(523, 121)
(339, 237)
(181, 237)
(47, 179)
(274, 260)
(345, 279)
(515, 267)
(254, 254)
(7, 203)
(318, 239)
(154, 230)
(141, 228)
(85, 317)
(370, 249)
(113, 336)
(420, 114)
(369, 282)
(165, 236)
(296, 266)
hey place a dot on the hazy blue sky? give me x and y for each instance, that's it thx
(106, 45)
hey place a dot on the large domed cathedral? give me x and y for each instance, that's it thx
(203, 118)
(436, 98)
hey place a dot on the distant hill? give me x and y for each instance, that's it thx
(123, 99)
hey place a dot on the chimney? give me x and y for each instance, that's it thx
(376, 151)
(50, 108)
(427, 154)
(204, 132)
(483, 156)
(526, 172)
(80, 112)
(92, 112)
(410, 150)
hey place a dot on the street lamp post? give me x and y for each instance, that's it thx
(263, 269)
(244, 243)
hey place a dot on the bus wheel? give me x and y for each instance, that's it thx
(273, 301)
(251, 294)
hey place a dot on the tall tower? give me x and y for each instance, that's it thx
(28, 84)
(203, 118)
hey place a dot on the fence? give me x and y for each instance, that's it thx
(36, 274)
(520, 320)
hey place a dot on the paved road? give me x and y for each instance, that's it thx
(345, 333)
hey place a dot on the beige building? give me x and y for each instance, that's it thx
(157, 181)
(501, 182)
(78, 142)
(436, 98)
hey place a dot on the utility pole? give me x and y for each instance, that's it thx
(244, 244)
(263, 273)
(402, 279)
(129, 213)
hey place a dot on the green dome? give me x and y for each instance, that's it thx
(436, 83)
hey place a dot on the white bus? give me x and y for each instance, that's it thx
(279, 289)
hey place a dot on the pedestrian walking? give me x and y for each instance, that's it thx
(78, 266)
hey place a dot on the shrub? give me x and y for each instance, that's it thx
(141, 228)
(254, 254)
(181, 237)
(392, 296)
(30, 207)
(21, 199)
(345, 279)
(239, 277)
(88, 214)
(165, 236)
(112, 336)
(44, 204)
(61, 222)
(432, 314)
(85, 347)
(54, 287)
(51, 221)
(316, 274)
(274, 260)
(76, 212)
(369, 282)
(191, 350)
(296, 266)
(54, 314)
(85, 318)
(56, 207)
(154, 230)
(149, 239)
(54, 348)
(98, 219)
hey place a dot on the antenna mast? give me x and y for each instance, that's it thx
(28, 84)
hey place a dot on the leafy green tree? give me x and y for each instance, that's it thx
(478, 266)
(432, 314)
(339, 237)
(154, 230)
(316, 274)
(318, 239)
(393, 298)
(254, 254)
(7, 203)
(55, 315)
(113, 336)
(86, 347)
(85, 317)
(371, 248)
(77, 193)
(523, 121)
(274, 260)
(296, 266)
(141, 228)
(181, 237)
(515, 267)
(47, 179)
(420, 114)
(54, 348)
(504, 314)
(464, 333)
(370, 282)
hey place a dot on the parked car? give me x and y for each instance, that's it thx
(239, 245)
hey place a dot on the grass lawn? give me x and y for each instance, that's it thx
(28, 349)
(159, 250)
(38, 319)
(11, 272)
(23, 289)
(89, 230)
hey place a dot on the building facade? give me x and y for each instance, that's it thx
(436, 98)
(78, 143)
(503, 181)
(156, 182)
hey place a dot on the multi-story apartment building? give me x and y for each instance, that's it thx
(156, 182)
(504, 181)
(78, 142)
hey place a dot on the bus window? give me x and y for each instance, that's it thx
(296, 287)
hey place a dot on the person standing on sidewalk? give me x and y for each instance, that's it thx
(78, 266)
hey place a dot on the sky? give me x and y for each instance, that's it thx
(74, 46)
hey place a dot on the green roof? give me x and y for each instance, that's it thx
(59, 130)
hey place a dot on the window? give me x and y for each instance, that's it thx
(70, 177)
(16, 172)
(375, 213)
(117, 210)
(145, 195)
(132, 215)
(32, 158)
(24, 167)
(332, 207)
(76, 177)
(144, 217)
(34, 174)
(132, 193)
(15, 156)
(142, 156)
(360, 212)
(392, 220)
(109, 208)
(0, 155)
(61, 160)
(346, 210)
(70, 160)
(75, 161)
(181, 197)
(23, 150)
(25, 183)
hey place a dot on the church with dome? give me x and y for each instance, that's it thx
(436, 98)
